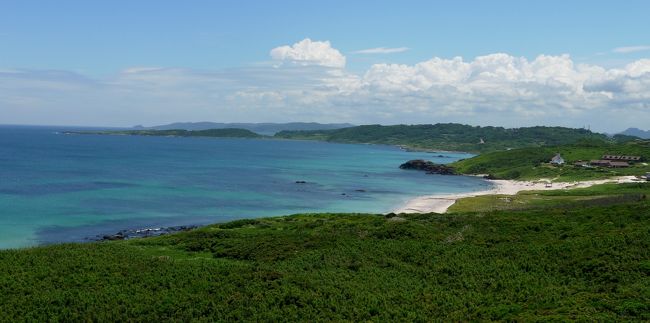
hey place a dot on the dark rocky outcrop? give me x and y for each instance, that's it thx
(143, 233)
(429, 167)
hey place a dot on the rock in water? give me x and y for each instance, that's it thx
(142, 233)
(429, 167)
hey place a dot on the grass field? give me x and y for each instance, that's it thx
(589, 263)
(604, 194)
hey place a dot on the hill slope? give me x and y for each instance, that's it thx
(449, 136)
(636, 132)
(586, 263)
(531, 163)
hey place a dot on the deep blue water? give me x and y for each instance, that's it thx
(56, 187)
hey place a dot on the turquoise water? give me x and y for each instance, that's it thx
(56, 187)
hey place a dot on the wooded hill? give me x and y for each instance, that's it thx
(452, 136)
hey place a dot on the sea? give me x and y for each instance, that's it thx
(57, 187)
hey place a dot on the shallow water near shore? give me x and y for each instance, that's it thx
(58, 188)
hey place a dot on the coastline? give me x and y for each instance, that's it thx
(440, 203)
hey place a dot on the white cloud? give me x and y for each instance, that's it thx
(313, 85)
(631, 49)
(382, 50)
(307, 52)
(499, 85)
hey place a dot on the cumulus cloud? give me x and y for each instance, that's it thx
(631, 49)
(551, 87)
(307, 52)
(382, 50)
(313, 85)
(547, 89)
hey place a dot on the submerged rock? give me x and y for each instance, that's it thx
(429, 167)
(141, 233)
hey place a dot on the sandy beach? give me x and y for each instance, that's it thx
(440, 203)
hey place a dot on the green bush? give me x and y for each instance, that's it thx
(588, 263)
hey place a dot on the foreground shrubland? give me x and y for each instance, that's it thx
(552, 263)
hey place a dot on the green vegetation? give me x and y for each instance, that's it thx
(604, 194)
(532, 163)
(227, 132)
(580, 254)
(588, 263)
(450, 136)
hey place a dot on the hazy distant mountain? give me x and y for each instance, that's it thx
(260, 128)
(645, 134)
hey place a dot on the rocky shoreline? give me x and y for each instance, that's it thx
(142, 233)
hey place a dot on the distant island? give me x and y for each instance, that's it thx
(266, 128)
(226, 132)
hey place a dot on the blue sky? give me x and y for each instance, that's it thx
(97, 41)
(106, 36)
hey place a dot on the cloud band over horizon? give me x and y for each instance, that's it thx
(308, 81)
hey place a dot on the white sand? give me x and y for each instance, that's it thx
(440, 203)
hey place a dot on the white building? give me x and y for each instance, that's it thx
(557, 160)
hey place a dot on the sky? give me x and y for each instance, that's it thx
(505, 63)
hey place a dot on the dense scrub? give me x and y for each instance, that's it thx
(587, 263)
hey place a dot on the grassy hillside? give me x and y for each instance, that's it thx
(587, 263)
(449, 136)
(227, 132)
(604, 194)
(532, 163)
